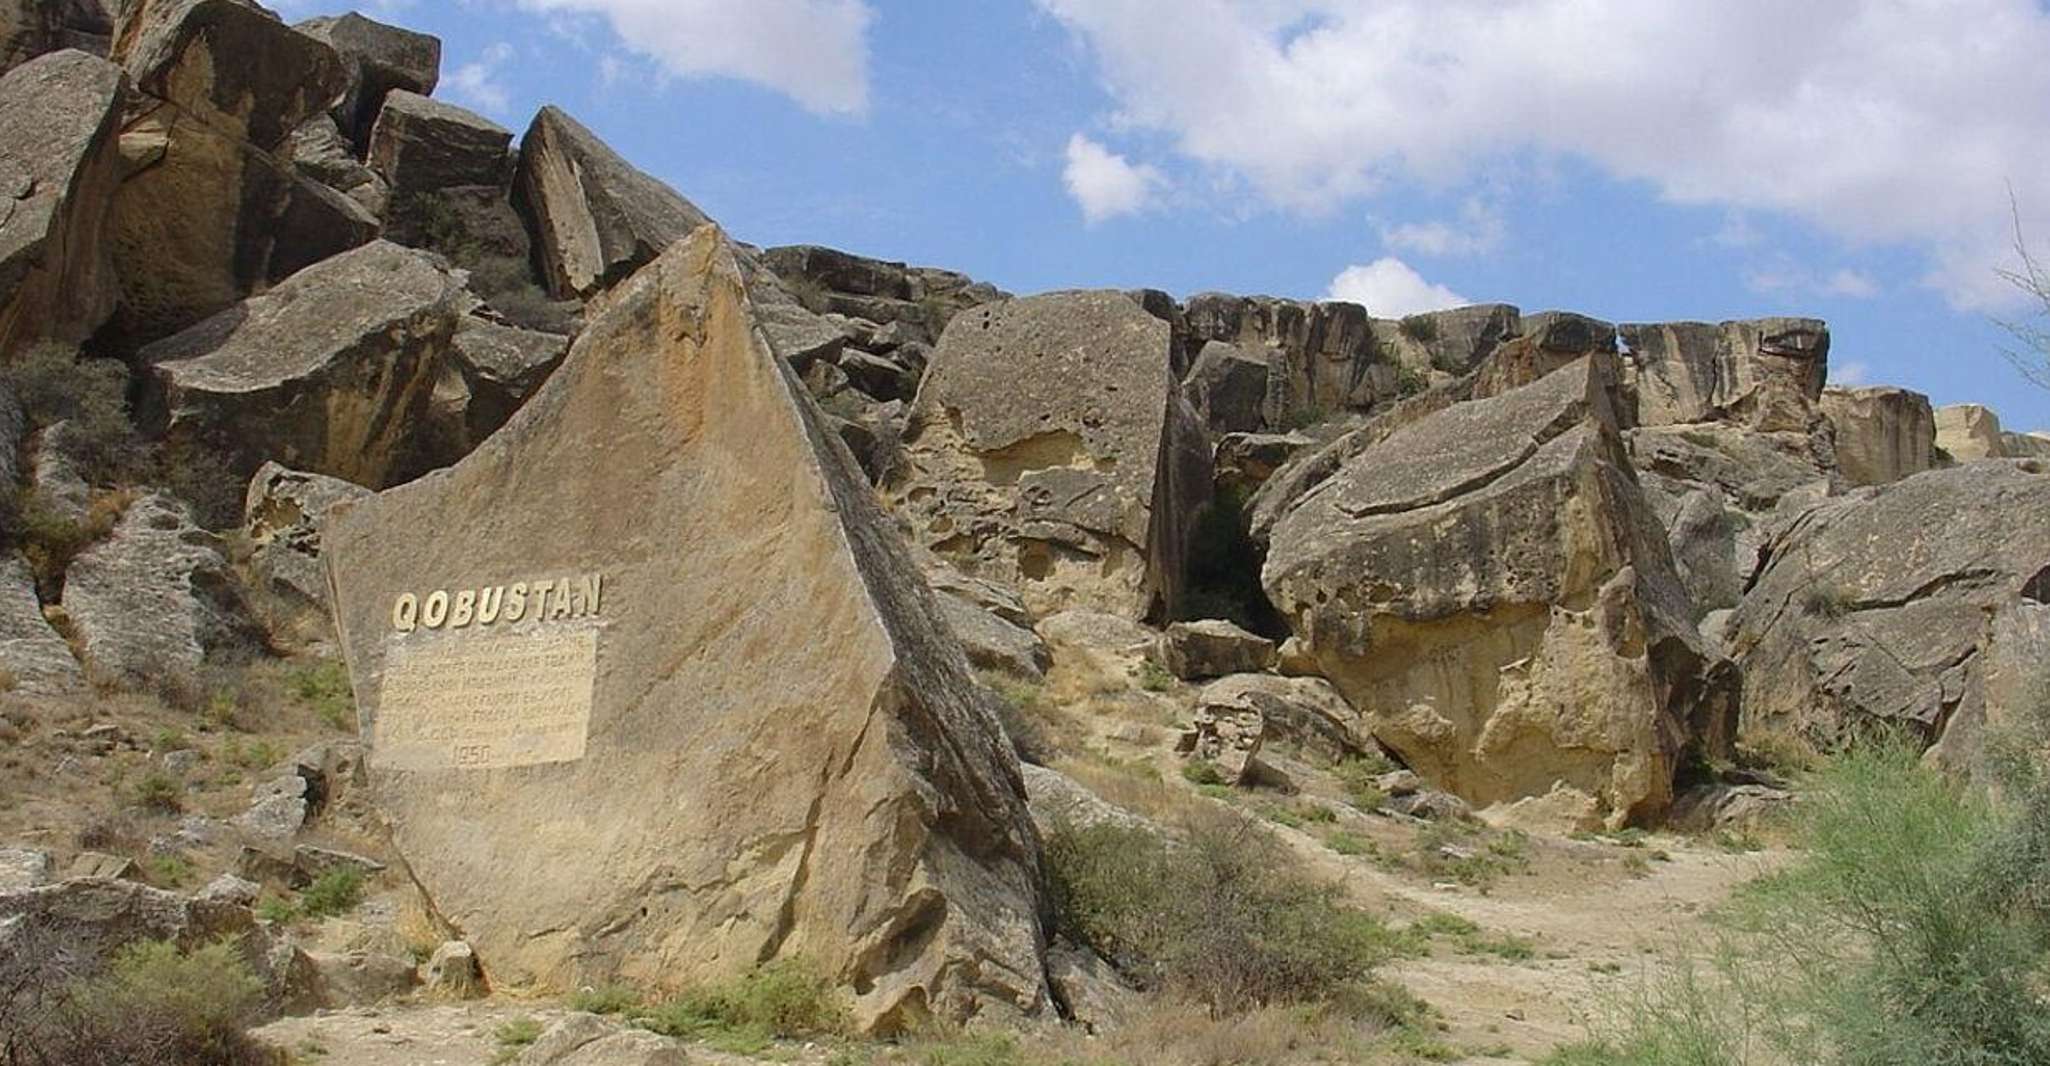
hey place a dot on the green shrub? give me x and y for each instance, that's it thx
(278, 910)
(788, 999)
(1202, 772)
(518, 1032)
(607, 999)
(1345, 843)
(1221, 915)
(159, 792)
(1153, 677)
(151, 1005)
(324, 686)
(1358, 776)
(333, 893)
(1422, 329)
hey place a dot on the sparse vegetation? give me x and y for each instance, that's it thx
(1153, 677)
(1202, 772)
(786, 999)
(333, 893)
(158, 792)
(324, 687)
(1028, 718)
(151, 1005)
(1422, 329)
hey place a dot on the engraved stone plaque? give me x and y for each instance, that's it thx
(487, 702)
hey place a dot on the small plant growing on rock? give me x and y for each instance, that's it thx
(333, 893)
(1202, 772)
(159, 792)
(1153, 677)
(324, 686)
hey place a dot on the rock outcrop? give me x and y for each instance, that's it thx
(227, 64)
(330, 372)
(33, 657)
(1967, 431)
(1765, 374)
(283, 517)
(421, 145)
(1883, 608)
(1050, 449)
(59, 118)
(596, 219)
(1488, 587)
(603, 755)
(30, 28)
(154, 599)
(1883, 434)
(1213, 648)
(377, 60)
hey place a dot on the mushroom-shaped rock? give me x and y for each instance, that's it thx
(544, 641)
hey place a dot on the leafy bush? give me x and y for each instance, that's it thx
(324, 686)
(1359, 777)
(158, 791)
(1154, 677)
(333, 893)
(151, 1005)
(607, 999)
(1202, 772)
(788, 998)
(1221, 915)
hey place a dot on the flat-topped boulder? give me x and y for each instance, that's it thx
(329, 372)
(59, 118)
(1489, 588)
(1881, 608)
(1050, 449)
(376, 60)
(229, 64)
(595, 218)
(604, 756)
(1883, 434)
(421, 145)
(1967, 431)
(1765, 374)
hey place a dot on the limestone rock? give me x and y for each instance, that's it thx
(1307, 712)
(1454, 341)
(661, 817)
(993, 643)
(420, 145)
(1229, 737)
(22, 868)
(54, 477)
(283, 517)
(1061, 802)
(359, 978)
(452, 971)
(1883, 434)
(2026, 445)
(1323, 358)
(59, 119)
(1967, 431)
(318, 150)
(1228, 388)
(330, 372)
(92, 918)
(99, 864)
(1079, 497)
(1244, 461)
(228, 64)
(204, 218)
(589, 1040)
(1213, 648)
(376, 60)
(35, 660)
(596, 218)
(1765, 374)
(500, 367)
(1095, 996)
(31, 28)
(1881, 607)
(154, 598)
(1489, 589)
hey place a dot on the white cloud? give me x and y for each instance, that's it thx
(1105, 183)
(477, 83)
(1873, 120)
(814, 51)
(1851, 283)
(1391, 288)
(1480, 229)
(1849, 373)
(1784, 276)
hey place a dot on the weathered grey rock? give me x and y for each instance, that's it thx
(230, 889)
(1883, 434)
(1060, 802)
(832, 270)
(1765, 374)
(589, 1040)
(501, 366)
(98, 864)
(283, 516)
(274, 817)
(1095, 996)
(1706, 808)
(95, 917)
(59, 119)
(31, 28)
(1454, 341)
(1244, 461)
(1213, 648)
(1228, 388)
(1488, 587)
(840, 793)
(420, 145)
(313, 862)
(1881, 608)
(595, 217)
(452, 971)
(22, 868)
(995, 644)
(1967, 431)
(1229, 737)
(1078, 497)
(54, 477)
(204, 218)
(376, 60)
(34, 658)
(330, 372)
(878, 376)
(2026, 445)
(318, 150)
(228, 64)
(154, 598)
(1307, 712)
(359, 978)
(1323, 358)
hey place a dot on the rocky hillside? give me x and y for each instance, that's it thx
(647, 607)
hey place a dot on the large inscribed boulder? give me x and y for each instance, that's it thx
(1049, 448)
(1490, 590)
(655, 694)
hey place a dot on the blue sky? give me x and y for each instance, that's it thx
(1638, 160)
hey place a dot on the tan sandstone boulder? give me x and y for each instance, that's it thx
(1050, 449)
(1967, 431)
(1488, 587)
(30, 28)
(655, 694)
(1765, 374)
(59, 117)
(228, 64)
(1883, 434)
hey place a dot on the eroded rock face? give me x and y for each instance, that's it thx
(377, 59)
(1967, 431)
(154, 598)
(1213, 648)
(1489, 589)
(59, 118)
(500, 367)
(689, 792)
(330, 372)
(1884, 607)
(421, 145)
(1765, 374)
(285, 512)
(595, 217)
(30, 28)
(228, 64)
(1322, 358)
(1883, 434)
(32, 655)
(1050, 449)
